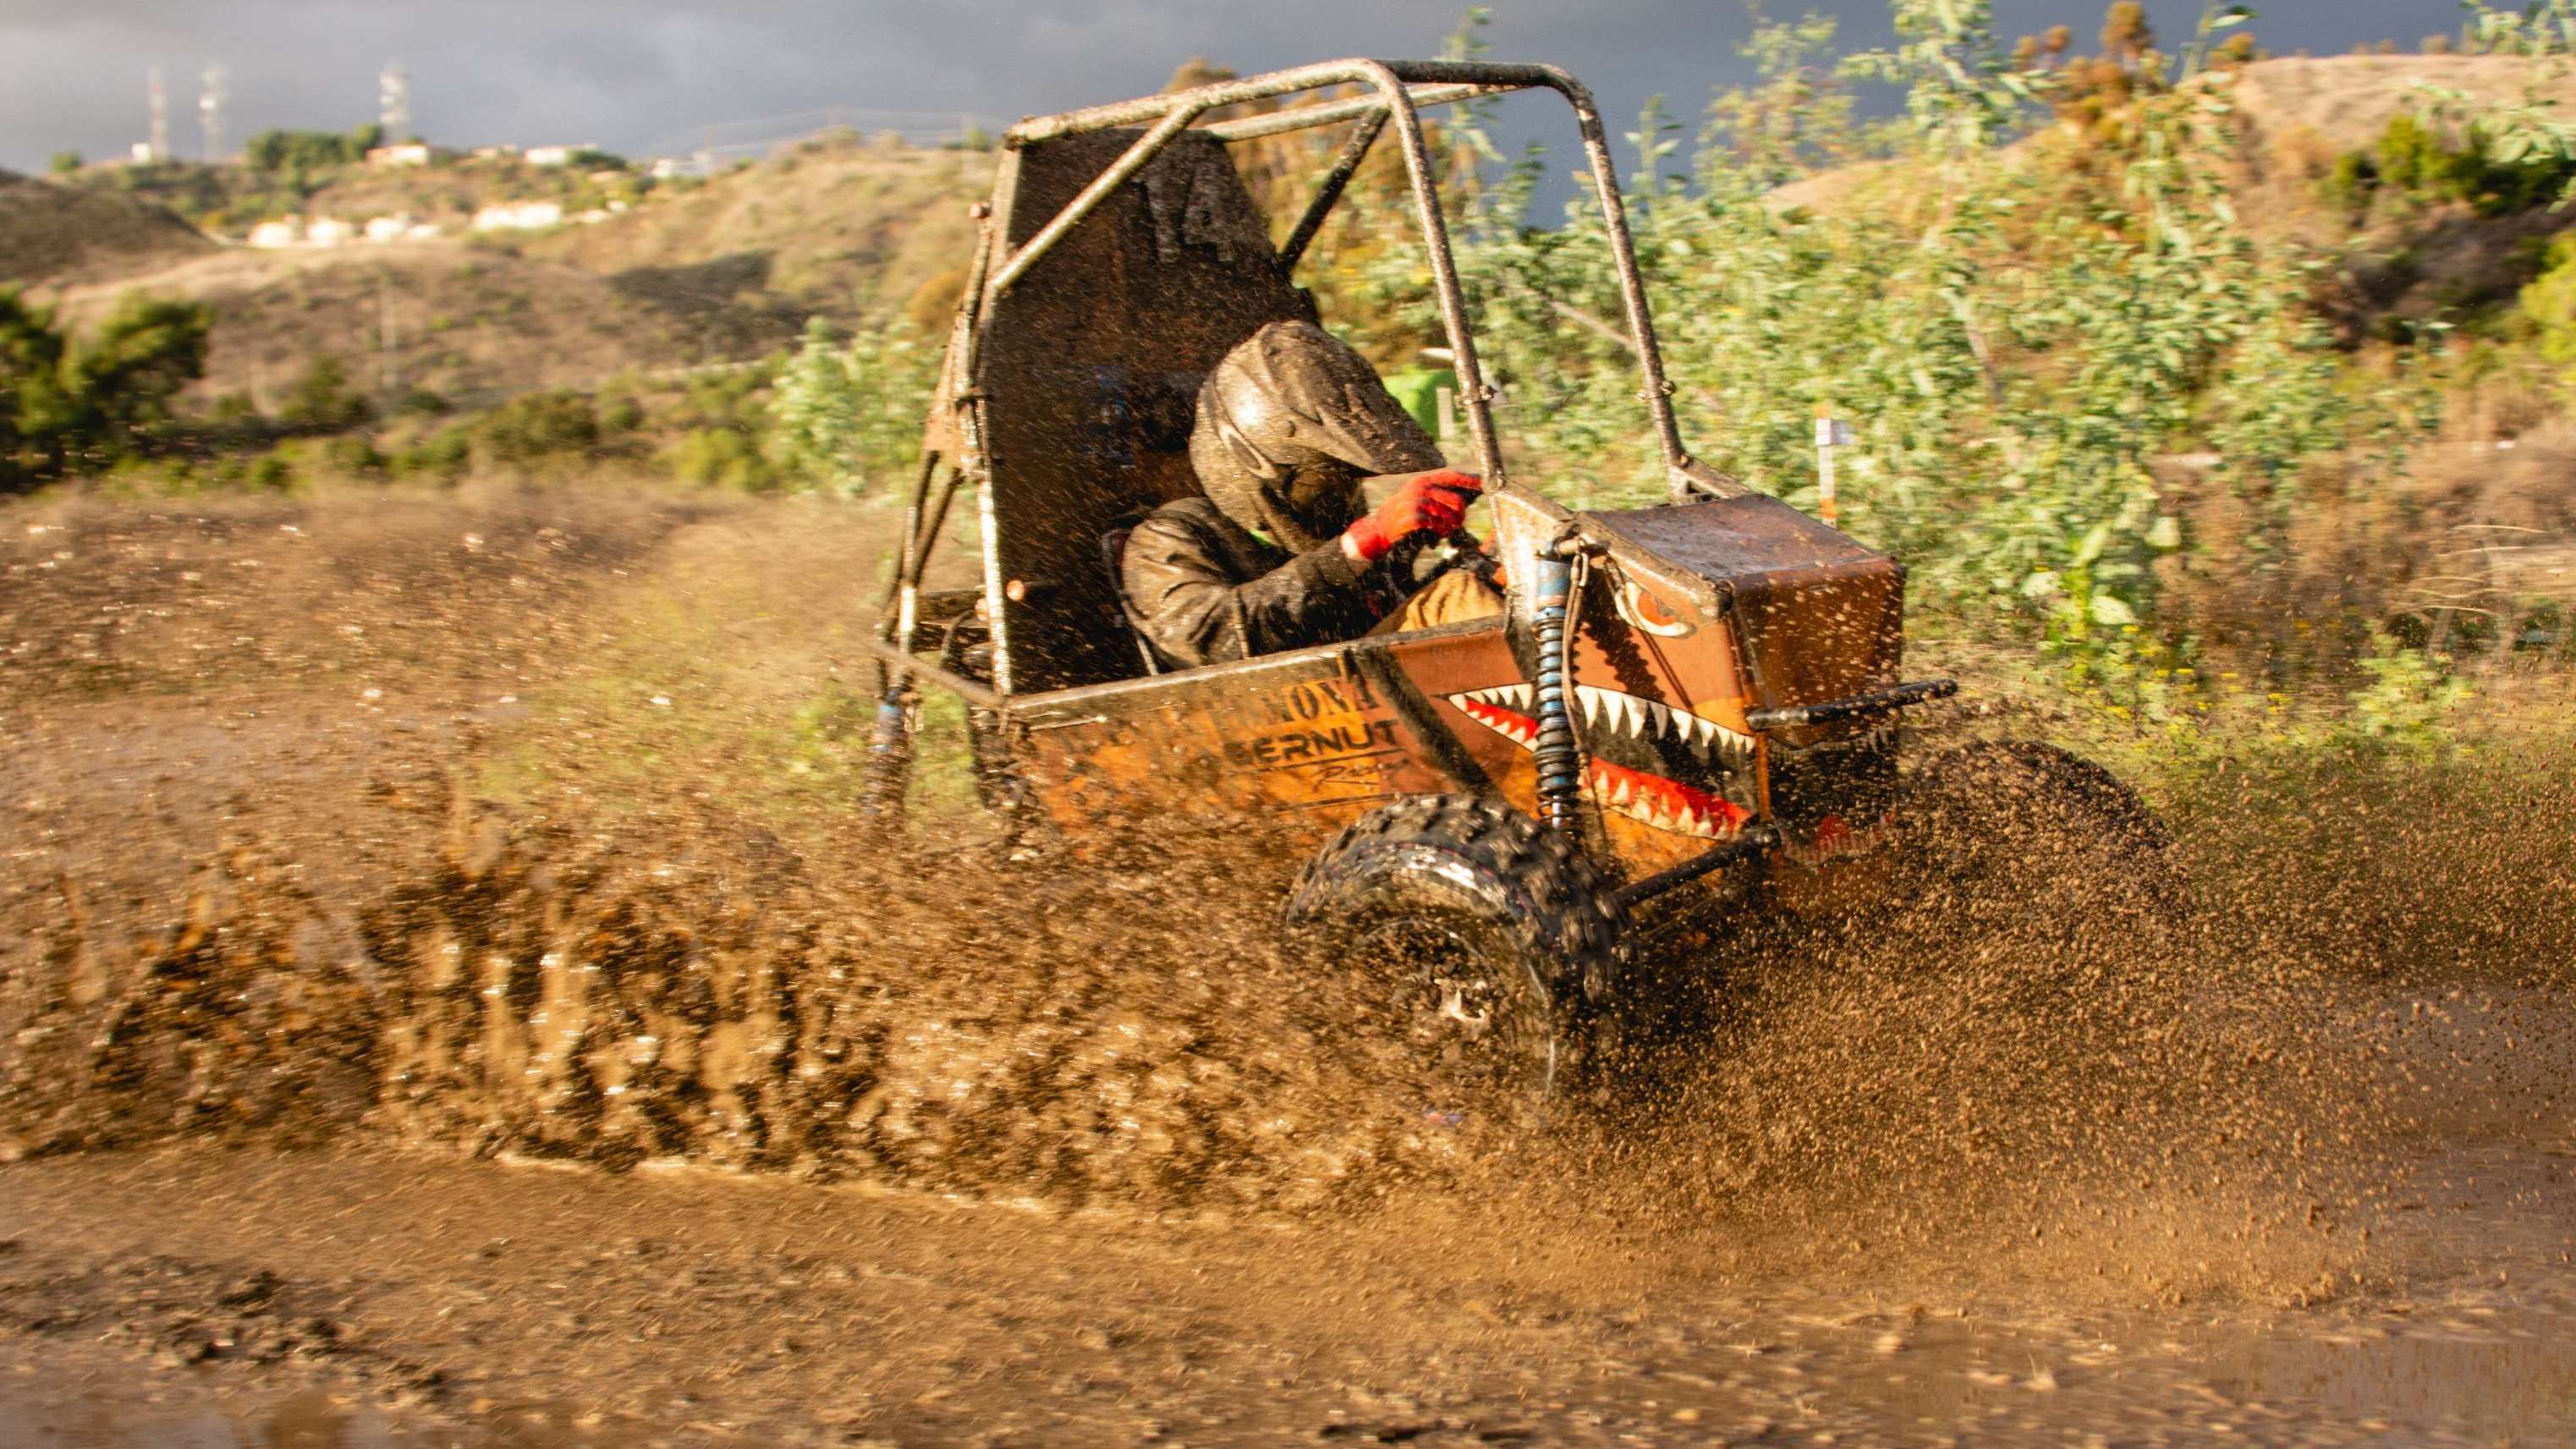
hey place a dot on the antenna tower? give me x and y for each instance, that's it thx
(210, 108)
(159, 145)
(393, 102)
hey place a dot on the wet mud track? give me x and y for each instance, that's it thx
(444, 1001)
(511, 1306)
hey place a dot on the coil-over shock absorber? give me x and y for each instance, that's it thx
(1559, 757)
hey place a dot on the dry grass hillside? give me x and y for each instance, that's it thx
(56, 233)
(838, 227)
(2299, 113)
(723, 270)
(2347, 100)
(468, 322)
(230, 199)
(2405, 259)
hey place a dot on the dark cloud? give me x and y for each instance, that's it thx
(633, 74)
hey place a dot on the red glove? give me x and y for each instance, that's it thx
(1434, 503)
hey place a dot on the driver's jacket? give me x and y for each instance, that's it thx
(1202, 589)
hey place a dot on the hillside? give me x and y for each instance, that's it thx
(51, 233)
(2298, 114)
(836, 227)
(230, 199)
(725, 269)
(467, 322)
(2347, 100)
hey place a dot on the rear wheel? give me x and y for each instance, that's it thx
(1488, 941)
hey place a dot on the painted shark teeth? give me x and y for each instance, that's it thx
(1511, 724)
(1664, 804)
(1649, 799)
(1611, 709)
(1652, 719)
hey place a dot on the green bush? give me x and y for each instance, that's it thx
(442, 457)
(272, 473)
(2549, 302)
(2420, 163)
(2404, 712)
(353, 457)
(2352, 182)
(290, 151)
(322, 400)
(722, 457)
(91, 403)
(849, 417)
(537, 426)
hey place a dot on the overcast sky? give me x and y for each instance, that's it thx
(633, 75)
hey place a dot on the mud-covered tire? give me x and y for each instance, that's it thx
(1500, 940)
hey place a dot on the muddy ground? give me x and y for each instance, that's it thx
(447, 1000)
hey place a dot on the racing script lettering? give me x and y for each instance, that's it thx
(1310, 746)
(1308, 701)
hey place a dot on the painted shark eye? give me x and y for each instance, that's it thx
(1645, 611)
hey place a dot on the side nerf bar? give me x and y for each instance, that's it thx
(1790, 716)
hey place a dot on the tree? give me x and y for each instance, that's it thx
(106, 398)
(280, 150)
(849, 416)
(31, 401)
(321, 399)
(64, 163)
(142, 356)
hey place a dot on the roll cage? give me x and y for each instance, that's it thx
(1390, 91)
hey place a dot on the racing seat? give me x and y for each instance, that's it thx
(1113, 560)
(1100, 348)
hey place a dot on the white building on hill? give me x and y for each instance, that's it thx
(519, 216)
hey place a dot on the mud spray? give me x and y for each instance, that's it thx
(2210, 1074)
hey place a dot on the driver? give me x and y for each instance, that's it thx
(1277, 554)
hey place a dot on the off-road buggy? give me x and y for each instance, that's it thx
(1702, 690)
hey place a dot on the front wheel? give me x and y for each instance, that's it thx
(1489, 940)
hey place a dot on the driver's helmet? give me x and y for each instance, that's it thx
(1288, 425)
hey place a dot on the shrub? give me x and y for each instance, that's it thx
(442, 457)
(722, 457)
(322, 400)
(620, 415)
(295, 151)
(2404, 712)
(849, 417)
(93, 402)
(353, 457)
(538, 425)
(141, 357)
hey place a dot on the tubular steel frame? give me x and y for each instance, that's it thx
(1401, 88)
(1397, 90)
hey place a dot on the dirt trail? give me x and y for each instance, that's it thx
(532, 1307)
(363, 842)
